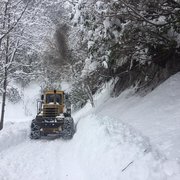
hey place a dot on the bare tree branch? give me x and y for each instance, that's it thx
(145, 19)
(15, 24)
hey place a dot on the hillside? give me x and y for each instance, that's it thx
(156, 115)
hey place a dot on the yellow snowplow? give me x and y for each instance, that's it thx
(53, 117)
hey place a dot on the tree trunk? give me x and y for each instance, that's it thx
(5, 75)
(4, 87)
(3, 99)
(89, 93)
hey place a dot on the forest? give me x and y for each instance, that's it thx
(87, 43)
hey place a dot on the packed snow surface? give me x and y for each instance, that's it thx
(124, 138)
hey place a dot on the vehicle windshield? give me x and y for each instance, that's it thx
(54, 98)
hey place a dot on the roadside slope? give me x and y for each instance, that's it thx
(157, 115)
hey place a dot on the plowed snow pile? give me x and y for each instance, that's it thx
(156, 115)
(120, 139)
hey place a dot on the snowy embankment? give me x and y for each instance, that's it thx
(157, 115)
(120, 139)
(14, 134)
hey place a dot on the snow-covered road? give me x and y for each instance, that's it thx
(45, 159)
(124, 138)
(100, 149)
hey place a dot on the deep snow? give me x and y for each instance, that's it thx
(156, 115)
(124, 138)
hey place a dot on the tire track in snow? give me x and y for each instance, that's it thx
(40, 159)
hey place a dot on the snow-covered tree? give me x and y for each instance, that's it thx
(18, 41)
(9, 45)
(126, 35)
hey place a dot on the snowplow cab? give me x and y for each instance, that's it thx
(53, 116)
(53, 103)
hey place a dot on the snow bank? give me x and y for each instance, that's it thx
(157, 115)
(109, 149)
(13, 134)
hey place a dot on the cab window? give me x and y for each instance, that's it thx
(58, 98)
(54, 98)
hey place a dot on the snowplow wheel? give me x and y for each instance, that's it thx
(68, 128)
(35, 131)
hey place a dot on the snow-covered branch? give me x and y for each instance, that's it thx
(15, 24)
